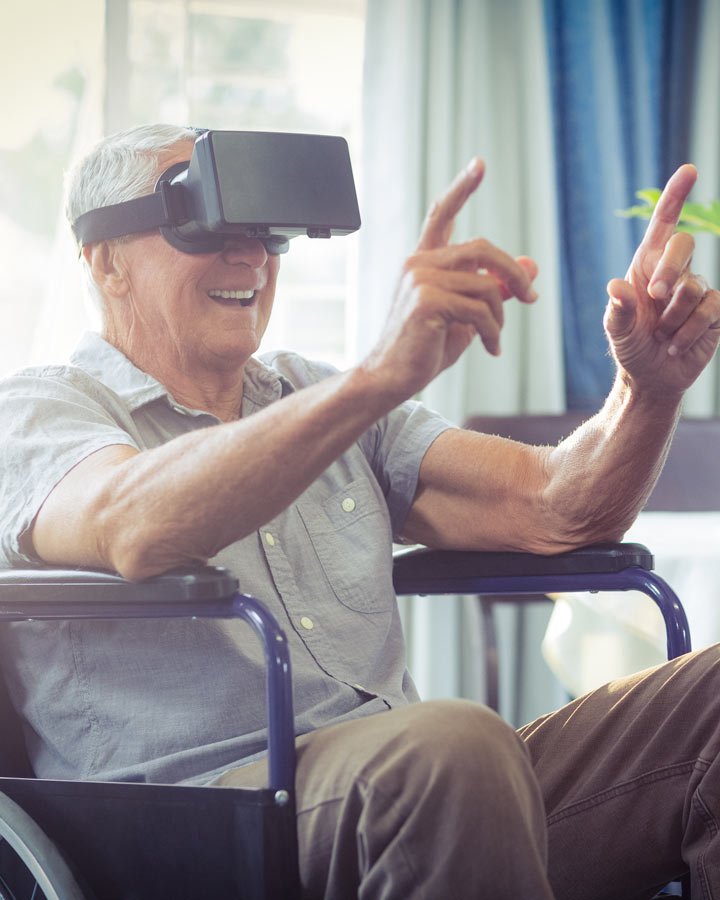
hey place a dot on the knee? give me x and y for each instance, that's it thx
(460, 728)
(459, 761)
(456, 741)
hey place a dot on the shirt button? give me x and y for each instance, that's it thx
(307, 623)
(348, 504)
(269, 539)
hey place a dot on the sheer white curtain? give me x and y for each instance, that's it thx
(444, 82)
(704, 397)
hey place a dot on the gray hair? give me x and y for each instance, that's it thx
(120, 167)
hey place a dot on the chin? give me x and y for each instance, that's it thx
(233, 352)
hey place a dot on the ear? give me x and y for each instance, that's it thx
(106, 266)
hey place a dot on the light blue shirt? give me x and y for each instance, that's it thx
(182, 700)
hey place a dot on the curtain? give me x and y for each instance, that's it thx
(704, 129)
(444, 82)
(623, 74)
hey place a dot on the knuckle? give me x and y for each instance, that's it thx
(412, 262)
(707, 314)
(695, 286)
(435, 210)
(482, 245)
(419, 277)
(484, 320)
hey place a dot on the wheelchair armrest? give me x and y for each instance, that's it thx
(425, 571)
(191, 585)
(195, 592)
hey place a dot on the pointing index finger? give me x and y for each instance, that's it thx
(667, 212)
(438, 224)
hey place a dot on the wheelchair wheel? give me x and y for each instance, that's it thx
(31, 867)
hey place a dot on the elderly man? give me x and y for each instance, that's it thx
(166, 442)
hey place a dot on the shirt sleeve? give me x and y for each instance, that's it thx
(52, 419)
(394, 446)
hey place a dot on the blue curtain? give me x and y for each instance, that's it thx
(622, 77)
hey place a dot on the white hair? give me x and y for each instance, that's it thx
(118, 168)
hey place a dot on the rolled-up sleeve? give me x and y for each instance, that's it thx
(50, 420)
(399, 443)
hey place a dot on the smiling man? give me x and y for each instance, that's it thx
(166, 441)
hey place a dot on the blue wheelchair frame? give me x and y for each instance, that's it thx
(245, 840)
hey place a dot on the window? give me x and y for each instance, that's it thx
(275, 65)
(272, 65)
(45, 72)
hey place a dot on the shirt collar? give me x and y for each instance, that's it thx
(261, 383)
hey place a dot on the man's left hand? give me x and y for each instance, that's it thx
(663, 321)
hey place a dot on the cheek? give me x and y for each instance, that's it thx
(273, 270)
(273, 265)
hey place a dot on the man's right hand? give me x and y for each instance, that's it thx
(447, 294)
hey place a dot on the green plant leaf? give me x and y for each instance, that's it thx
(635, 212)
(694, 217)
(649, 195)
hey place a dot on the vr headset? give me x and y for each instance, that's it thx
(270, 186)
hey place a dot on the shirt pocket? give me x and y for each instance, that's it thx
(351, 535)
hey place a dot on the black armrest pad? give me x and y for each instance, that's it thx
(64, 585)
(431, 565)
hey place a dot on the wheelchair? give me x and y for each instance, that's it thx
(67, 840)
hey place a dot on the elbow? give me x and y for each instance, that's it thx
(568, 533)
(135, 567)
(560, 527)
(136, 553)
(141, 563)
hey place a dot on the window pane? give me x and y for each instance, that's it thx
(44, 112)
(275, 65)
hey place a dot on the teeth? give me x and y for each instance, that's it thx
(232, 295)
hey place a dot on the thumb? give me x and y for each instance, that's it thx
(621, 309)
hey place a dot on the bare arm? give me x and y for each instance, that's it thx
(663, 325)
(484, 492)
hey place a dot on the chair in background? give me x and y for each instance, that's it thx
(689, 482)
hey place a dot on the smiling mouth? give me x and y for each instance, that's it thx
(232, 298)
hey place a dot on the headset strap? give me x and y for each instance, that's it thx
(165, 207)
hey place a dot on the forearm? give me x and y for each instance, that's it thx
(186, 500)
(600, 477)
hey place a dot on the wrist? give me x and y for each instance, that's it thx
(658, 397)
(383, 388)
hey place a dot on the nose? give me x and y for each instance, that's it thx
(247, 250)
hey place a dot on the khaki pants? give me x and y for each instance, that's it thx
(610, 797)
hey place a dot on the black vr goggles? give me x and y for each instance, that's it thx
(270, 186)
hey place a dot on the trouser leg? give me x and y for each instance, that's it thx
(631, 781)
(435, 800)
